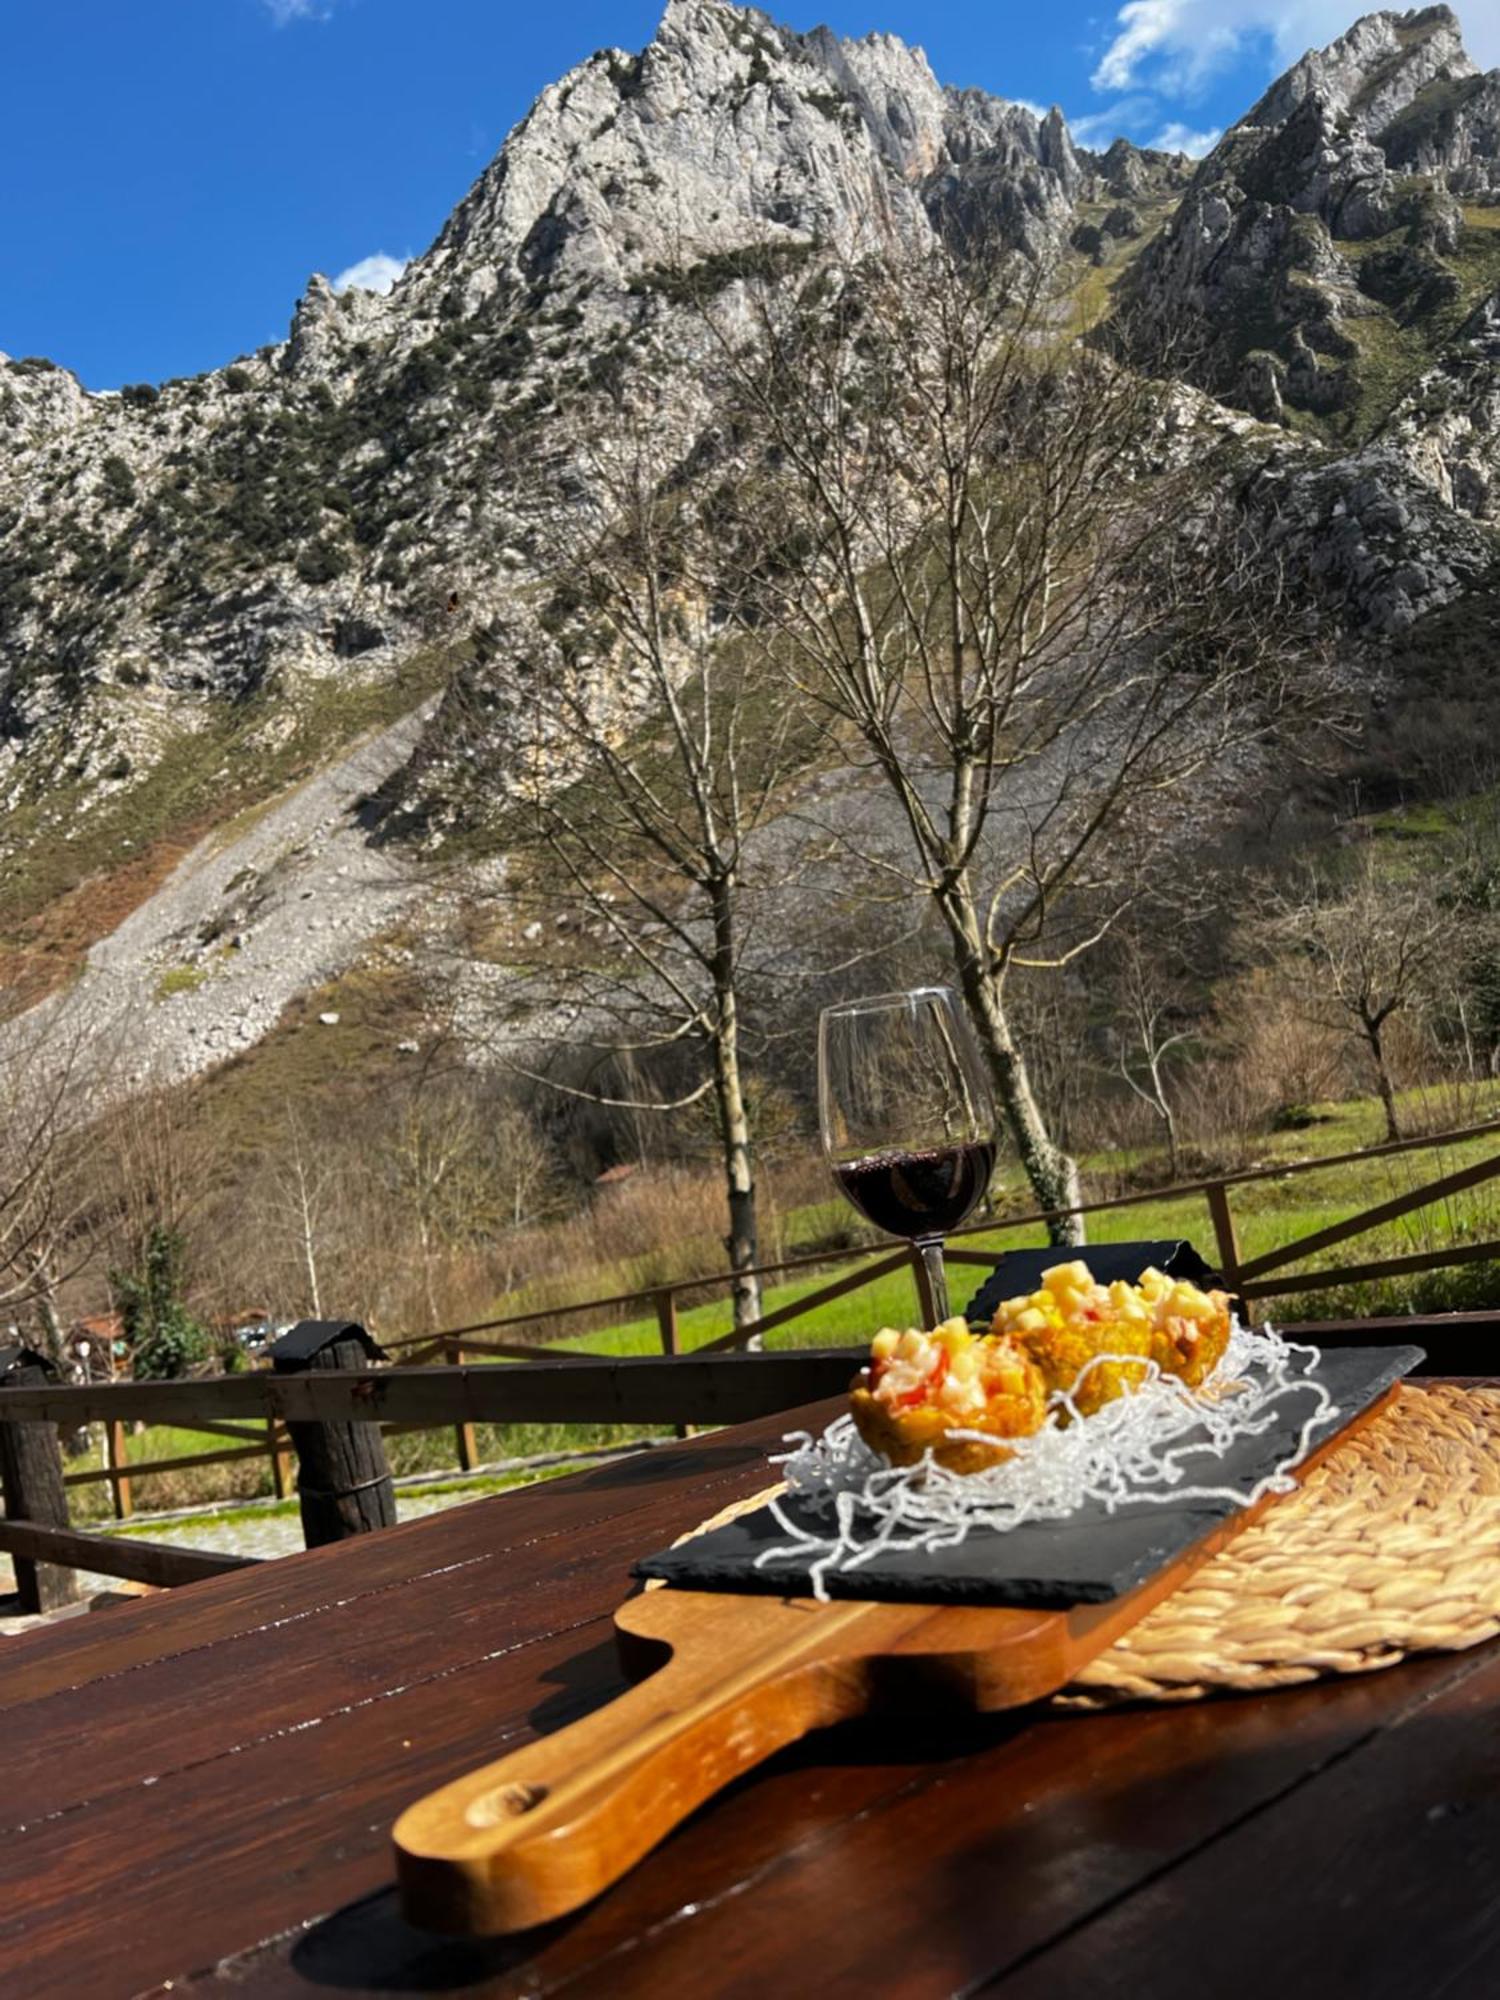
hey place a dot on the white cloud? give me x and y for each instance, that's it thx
(1176, 137)
(1177, 45)
(371, 274)
(1129, 115)
(284, 12)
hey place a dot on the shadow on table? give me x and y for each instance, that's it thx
(580, 1684)
(368, 1947)
(1077, 1811)
(642, 1468)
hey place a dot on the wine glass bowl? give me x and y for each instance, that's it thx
(907, 1116)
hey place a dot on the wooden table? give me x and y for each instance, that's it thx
(197, 1794)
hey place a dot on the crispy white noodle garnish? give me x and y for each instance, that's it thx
(1139, 1447)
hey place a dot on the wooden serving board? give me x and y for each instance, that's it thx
(544, 1830)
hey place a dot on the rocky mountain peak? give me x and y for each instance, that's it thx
(327, 327)
(727, 126)
(1373, 72)
(1328, 233)
(37, 398)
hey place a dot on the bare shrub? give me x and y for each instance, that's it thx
(1278, 1059)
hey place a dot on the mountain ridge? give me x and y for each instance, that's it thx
(286, 535)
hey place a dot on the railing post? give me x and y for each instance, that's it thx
(343, 1475)
(281, 1463)
(1227, 1239)
(463, 1434)
(666, 1319)
(31, 1470)
(115, 1457)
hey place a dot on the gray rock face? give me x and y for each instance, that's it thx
(1262, 253)
(1373, 539)
(1370, 75)
(1450, 130)
(227, 533)
(338, 502)
(728, 127)
(1448, 424)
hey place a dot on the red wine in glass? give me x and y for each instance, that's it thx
(918, 1194)
(907, 1116)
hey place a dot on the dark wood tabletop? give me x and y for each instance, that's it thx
(197, 1792)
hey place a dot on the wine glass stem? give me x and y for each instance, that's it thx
(932, 1280)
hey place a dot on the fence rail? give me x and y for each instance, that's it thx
(433, 1381)
(1249, 1280)
(112, 1555)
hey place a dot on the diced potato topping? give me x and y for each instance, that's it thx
(1085, 1337)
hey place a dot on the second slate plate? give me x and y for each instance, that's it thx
(1089, 1558)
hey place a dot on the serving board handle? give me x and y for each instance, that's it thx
(539, 1832)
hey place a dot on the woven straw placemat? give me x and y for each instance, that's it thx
(1391, 1548)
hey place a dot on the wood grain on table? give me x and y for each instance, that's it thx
(198, 1789)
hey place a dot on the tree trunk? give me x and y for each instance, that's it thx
(309, 1246)
(424, 1238)
(49, 1326)
(1383, 1080)
(743, 1241)
(1052, 1174)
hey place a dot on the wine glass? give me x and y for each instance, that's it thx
(908, 1118)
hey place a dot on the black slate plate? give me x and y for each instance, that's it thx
(1086, 1559)
(1019, 1271)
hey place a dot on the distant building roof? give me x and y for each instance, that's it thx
(98, 1326)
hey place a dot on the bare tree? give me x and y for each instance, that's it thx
(1467, 977)
(1006, 574)
(301, 1192)
(530, 1184)
(48, 1210)
(653, 759)
(1272, 1062)
(436, 1166)
(1368, 948)
(1149, 1028)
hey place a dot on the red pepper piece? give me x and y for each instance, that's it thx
(928, 1386)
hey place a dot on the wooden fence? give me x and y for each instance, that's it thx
(316, 1405)
(1250, 1280)
(433, 1382)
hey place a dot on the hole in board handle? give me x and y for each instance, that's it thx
(508, 1803)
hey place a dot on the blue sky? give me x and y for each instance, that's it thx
(174, 169)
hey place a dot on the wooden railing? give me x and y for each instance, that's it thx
(1250, 1280)
(434, 1384)
(710, 1389)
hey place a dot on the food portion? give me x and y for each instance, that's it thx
(1189, 1327)
(1072, 1339)
(1072, 1319)
(921, 1387)
(1069, 1323)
